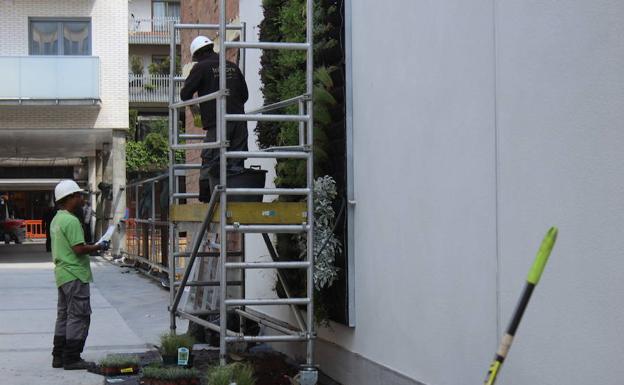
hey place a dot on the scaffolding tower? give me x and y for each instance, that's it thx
(244, 217)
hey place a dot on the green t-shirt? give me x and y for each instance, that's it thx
(65, 232)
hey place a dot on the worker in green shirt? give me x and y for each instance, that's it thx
(72, 271)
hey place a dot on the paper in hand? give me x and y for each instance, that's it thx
(107, 235)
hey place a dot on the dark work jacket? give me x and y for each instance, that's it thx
(204, 79)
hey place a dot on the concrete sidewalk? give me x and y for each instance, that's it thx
(129, 314)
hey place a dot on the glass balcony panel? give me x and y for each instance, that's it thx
(49, 78)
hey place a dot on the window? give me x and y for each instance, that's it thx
(161, 8)
(160, 59)
(60, 37)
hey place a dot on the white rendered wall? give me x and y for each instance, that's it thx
(424, 152)
(560, 111)
(425, 254)
(477, 125)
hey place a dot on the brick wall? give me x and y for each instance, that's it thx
(109, 26)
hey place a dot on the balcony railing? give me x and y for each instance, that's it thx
(151, 31)
(151, 89)
(49, 80)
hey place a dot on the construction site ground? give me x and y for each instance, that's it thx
(128, 316)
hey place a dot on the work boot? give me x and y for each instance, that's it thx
(57, 351)
(71, 356)
(79, 365)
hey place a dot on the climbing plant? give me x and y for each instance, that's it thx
(283, 77)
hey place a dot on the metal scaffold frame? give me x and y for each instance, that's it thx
(149, 224)
(305, 328)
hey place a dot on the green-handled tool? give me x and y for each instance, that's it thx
(534, 276)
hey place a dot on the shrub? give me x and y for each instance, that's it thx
(136, 65)
(326, 245)
(119, 361)
(169, 343)
(239, 373)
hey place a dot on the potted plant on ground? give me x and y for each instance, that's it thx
(118, 364)
(238, 373)
(170, 376)
(151, 375)
(182, 376)
(169, 345)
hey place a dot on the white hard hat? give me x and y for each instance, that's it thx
(65, 188)
(199, 42)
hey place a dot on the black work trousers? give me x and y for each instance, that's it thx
(237, 136)
(73, 319)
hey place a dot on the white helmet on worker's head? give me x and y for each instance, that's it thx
(199, 42)
(66, 188)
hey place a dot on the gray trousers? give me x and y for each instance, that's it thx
(73, 315)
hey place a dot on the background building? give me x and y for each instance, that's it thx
(149, 37)
(63, 101)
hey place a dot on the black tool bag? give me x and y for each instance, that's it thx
(237, 177)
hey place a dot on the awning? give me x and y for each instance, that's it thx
(30, 184)
(52, 143)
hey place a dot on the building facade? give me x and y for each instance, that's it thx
(149, 38)
(492, 122)
(64, 102)
(477, 125)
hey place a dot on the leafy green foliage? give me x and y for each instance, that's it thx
(170, 343)
(159, 373)
(119, 360)
(238, 373)
(162, 67)
(151, 153)
(283, 77)
(136, 65)
(132, 123)
(147, 156)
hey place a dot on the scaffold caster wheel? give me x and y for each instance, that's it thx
(308, 375)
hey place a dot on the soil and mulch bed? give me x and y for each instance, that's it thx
(270, 367)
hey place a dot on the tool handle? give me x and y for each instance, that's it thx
(493, 372)
(542, 256)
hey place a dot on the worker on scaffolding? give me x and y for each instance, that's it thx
(72, 272)
(203, 79)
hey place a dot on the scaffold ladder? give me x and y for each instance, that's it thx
(245, 217)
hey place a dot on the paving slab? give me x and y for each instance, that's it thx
(129, 314)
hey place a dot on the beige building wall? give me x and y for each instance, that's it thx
(109, 31)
